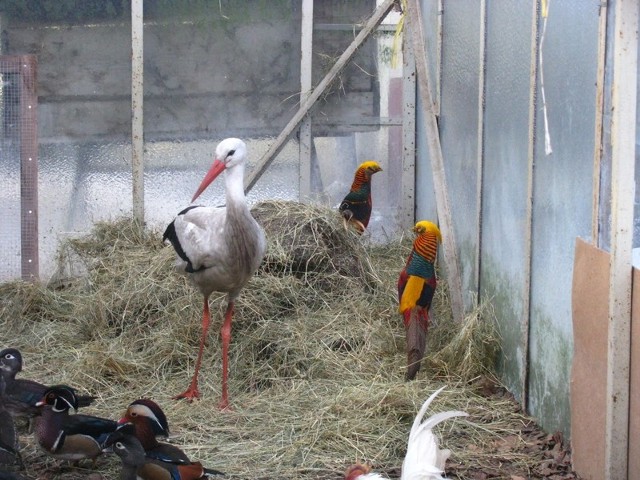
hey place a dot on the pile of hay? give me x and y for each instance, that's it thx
(316, 359)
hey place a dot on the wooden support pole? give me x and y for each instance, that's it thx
(137, 131)
(414, 15)
(306, 61)
(408, 191)
(288, 130)
(623, 137)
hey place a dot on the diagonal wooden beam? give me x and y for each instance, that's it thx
(278, 144)
(414, 16)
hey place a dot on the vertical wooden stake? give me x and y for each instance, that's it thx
(623, 137)
(437, 162)
(137, 131)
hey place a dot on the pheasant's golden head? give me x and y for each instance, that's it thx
(370, 167)
(425, 226)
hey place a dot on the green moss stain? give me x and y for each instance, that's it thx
(505, 294)
(550, 374)
(550, 350)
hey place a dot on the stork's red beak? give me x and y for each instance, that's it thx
(123, 420)
(215, 170)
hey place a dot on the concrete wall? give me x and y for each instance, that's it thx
(203, 76)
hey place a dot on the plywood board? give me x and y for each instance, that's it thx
(589, 302)
(589, 371)
(634, 380)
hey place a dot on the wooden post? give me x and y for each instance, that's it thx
(306, 61)
(278, 144)
(414, 16)
(623, 137)
(408, 188)
(137, 92)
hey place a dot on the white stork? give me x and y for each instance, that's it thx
(219, 249)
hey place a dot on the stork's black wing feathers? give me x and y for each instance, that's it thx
(171, 235)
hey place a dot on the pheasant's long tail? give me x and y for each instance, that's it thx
(416, 322)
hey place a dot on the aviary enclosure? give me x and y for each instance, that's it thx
(510, 124)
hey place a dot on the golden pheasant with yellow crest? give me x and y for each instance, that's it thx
(356, 206)
(416, 287)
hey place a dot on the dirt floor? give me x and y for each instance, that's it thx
(551, 457)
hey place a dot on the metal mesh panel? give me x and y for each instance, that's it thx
(18, 168)
(223, 69)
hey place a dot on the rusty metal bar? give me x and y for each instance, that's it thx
(27, 66)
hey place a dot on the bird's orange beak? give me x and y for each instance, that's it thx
(215, 170)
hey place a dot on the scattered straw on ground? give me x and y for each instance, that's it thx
(316, 362)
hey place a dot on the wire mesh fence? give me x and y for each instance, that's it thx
(19, 168)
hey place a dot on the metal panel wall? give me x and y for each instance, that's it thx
(504, 256)
(425, 197)
(459, 130)
(562, 189)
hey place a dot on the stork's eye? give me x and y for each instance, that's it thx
(9, 356)
(133, 414)
(231, 152)
(119, 446)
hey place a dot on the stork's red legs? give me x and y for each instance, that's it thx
(192, 392)
(225, 335)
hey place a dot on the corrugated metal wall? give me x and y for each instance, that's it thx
(532, 205)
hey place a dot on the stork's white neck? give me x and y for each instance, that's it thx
(234, 184)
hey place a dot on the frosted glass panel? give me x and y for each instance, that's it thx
(459, 128)
(504, 195)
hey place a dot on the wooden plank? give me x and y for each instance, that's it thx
(408, 190)
(623, 123)
(306, 61)
(443, 208)
(137, 131)
(598, 134)
(288, 130)
(589, 310)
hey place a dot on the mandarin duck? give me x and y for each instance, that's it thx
(149, 421)
(65, 436)
(9, 444)
(219, 249)
(137, 465)
(356, 206)
(416, 287)
(424, 460)
(8, 475)
(23, 392)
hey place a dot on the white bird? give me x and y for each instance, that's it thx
(424, 459)
(219, 249)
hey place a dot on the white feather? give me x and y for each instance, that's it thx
(424, 459)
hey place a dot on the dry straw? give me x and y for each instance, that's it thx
(316, 360)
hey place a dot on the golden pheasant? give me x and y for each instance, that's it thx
(416, 286)
(356, 206)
